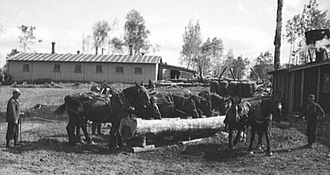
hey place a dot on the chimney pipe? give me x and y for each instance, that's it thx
(130, 49)
(78, 52)
(53, 47)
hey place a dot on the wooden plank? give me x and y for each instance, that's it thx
(142, 149)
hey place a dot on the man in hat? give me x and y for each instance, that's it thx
(12, 118)
(312, 112)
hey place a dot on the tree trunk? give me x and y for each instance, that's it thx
(277, 41)
(136, 127)
(96, 50)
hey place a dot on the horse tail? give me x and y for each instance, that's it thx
(60, 110)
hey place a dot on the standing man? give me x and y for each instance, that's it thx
(312, 112)
(12, 118)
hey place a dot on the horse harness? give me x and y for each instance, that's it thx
(259, 116)
(124, 104)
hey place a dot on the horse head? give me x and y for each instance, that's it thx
(238, 110)
(191, 108)
(226, 103)
(271, 109)
(207, 106)
(137, 96)
(232, 112)
(277, 110)
(153, 109)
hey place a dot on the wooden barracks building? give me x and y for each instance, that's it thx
(88, 67)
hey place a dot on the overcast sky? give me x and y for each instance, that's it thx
(246, 26)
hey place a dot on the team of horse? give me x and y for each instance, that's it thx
(111, 106)
(259, 116)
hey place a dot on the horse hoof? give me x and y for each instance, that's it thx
(92, 143)
(269, 154)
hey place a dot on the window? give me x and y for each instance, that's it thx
(57, 68)
(98, 68)
(138, 70)
(26, 68)
(119, 69)
(77, 68)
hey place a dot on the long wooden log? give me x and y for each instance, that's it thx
(136, 127)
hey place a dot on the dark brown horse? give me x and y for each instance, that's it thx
(185, 106)
(106, 108)
(219, 103)
(204, 105)
(237, 118)
(165, 103)
(174, 105)
(261, 116)
(151, 112)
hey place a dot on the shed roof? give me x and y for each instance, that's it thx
(47, 57)
(301, 67)
(310, 65)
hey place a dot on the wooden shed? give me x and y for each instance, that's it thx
(83, 67)
(295, 84)
(166, 71)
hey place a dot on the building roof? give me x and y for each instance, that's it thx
(310, 65)
(301, 67)
(47, 57)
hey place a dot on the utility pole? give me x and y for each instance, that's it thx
(278, 33)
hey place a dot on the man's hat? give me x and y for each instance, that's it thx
(17, 91)
(311, 96)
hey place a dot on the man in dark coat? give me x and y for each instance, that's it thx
(12, 118)
(313, 112)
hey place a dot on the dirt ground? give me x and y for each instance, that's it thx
(45, 149)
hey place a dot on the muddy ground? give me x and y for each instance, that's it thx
(45, 149)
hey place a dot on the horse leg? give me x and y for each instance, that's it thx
(225, 121)
(114, 134)
(99, 129)
(260, 136)
(230, 136)
(70, 130)
(87, 137)
(243, 135)
(119, 140)
(238, 136)
(78, 135)
(113, 139)
(253, 134)
(267, 133)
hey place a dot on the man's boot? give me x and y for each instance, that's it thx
(8, 144)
